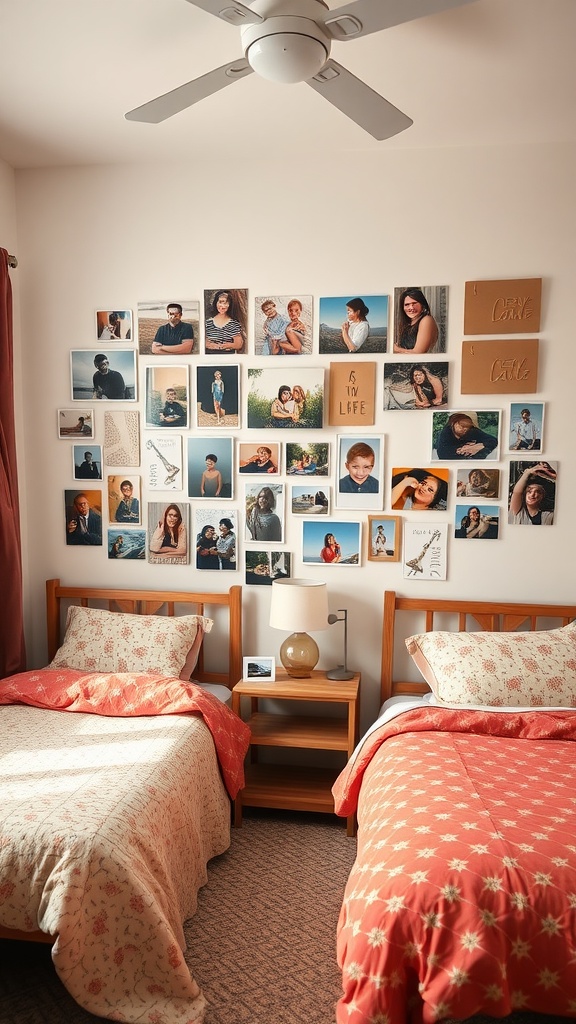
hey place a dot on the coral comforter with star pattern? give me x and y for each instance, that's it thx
(462, 898)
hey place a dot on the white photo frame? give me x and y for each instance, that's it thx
(167, 397)
(466, 435)
(424, 555)
(318, 550)
(91, 379)
(257, 667)
(75, 423)
(264, 508)
(87, 461)
(358, 486)
(526, 430)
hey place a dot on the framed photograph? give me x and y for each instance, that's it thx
(256, 459)
(167, 397)
(264, 505)
(225, 321)
(275, 401)
(126, 543)
(415, 385)
(360, 471)
(83, 518)
(167, 328)
(420, 318)
(467, 434)
(307, 500)
(75, 423)
(124, 503)
(108, 374)
(331, 542)
(210, 471)
(311, 459)
(424, 555)
(384, 538)
(255, 667)
(162, 462)
(419, 488)
(121, 437)
(283, 325)
(476, 521)
(217, 396)
(114, 325)
(216, 538)
(168, 532)
(526, 426)
(87, 462)
(353, 324)
(478, 483)
(263, 567)
(532, 493)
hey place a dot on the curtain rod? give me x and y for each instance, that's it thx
(12, 261)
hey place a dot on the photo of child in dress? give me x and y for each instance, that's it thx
(217, 395)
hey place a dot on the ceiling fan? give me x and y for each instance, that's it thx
(289, 41)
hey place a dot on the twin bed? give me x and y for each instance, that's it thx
(462, 898)
(117, 781)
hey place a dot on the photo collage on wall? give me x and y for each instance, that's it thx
(157, 402)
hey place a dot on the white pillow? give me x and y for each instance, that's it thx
(102, 641)
(536, 669)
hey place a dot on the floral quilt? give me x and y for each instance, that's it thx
(462, 898)
(106, 826)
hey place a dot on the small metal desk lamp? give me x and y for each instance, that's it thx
(341, 671)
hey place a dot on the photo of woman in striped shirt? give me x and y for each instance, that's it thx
(223, 330)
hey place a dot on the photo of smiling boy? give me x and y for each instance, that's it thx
(359, 486)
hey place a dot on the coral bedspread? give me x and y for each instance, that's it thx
(463, 895)
(106, 827)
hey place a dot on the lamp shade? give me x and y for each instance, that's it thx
(299, 605)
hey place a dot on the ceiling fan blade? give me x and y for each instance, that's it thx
(358, 101)
(192, 92)
(229, 10)
(362, 17)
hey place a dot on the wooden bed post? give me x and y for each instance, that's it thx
(52, 617)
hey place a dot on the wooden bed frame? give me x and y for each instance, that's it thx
(143, 602)
(455, 616)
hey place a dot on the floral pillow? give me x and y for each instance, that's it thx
(535, 669)
(101, 641)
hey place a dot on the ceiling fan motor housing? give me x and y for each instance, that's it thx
(286, 48)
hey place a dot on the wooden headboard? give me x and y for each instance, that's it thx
(224, 608)
(427, 614)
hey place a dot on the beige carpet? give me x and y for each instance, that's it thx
(262, 944)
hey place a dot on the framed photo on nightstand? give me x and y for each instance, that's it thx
(259, 668)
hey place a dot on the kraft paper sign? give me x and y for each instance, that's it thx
(499, 367)
(502, 307)
(352, 394)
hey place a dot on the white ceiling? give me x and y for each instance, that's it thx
(491, 72)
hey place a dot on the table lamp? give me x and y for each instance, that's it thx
(299, 605)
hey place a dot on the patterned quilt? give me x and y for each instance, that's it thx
(462, 898)
(106, 827)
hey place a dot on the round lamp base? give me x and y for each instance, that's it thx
(299, 654)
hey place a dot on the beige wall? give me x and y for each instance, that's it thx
(107, 237)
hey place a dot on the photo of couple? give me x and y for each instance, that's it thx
(273, 402)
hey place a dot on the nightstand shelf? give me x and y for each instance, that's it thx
(293, 787)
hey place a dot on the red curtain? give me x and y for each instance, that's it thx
(12, 650)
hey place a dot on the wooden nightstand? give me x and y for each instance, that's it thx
(293, 787)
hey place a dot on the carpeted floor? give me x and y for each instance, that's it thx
(262, 943)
